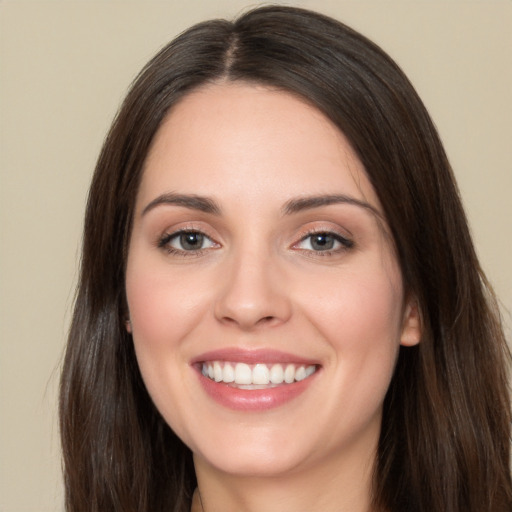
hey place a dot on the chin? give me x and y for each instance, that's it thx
(252, 462)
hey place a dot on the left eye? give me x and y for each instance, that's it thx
(187, 241)
(323, 242)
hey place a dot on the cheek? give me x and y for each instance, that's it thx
(164, 310)
(361, 322)
(152, 310)
(163, 307)
(357, 310)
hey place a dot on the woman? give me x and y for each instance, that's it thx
(280, 306)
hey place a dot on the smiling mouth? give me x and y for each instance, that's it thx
(256, 376)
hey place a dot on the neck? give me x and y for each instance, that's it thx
(328, 487)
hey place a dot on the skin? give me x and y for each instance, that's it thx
(259, 283)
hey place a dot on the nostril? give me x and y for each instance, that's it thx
(266, 319)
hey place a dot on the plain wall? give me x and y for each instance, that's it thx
(64, 68)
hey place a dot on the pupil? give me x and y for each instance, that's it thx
(191, 241)
(322, 242)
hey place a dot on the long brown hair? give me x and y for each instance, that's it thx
(445, 439)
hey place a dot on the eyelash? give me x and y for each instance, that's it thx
(165, 240)
(346, 244)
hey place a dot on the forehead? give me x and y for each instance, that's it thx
(243, 140)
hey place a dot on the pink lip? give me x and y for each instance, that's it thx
(251, 356)
(253, 399)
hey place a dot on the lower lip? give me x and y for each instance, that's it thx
(254, 399)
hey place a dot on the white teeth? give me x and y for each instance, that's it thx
(228, 373)
(243, 373)
(217, 371)
(289, 374)
(276, 374)
(260, 374)
(300, 374)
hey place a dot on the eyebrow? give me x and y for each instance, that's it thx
(191, 201)
(310, 202)
(207, 205)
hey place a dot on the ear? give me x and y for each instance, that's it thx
(411, 326)
(128, 326)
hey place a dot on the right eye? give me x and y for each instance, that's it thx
(186, 241)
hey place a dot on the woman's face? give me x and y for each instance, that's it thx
(265, 300)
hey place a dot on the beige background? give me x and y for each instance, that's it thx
(64, 67)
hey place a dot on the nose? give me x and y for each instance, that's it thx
(253, 293)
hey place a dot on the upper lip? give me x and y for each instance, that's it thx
(252, 356)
